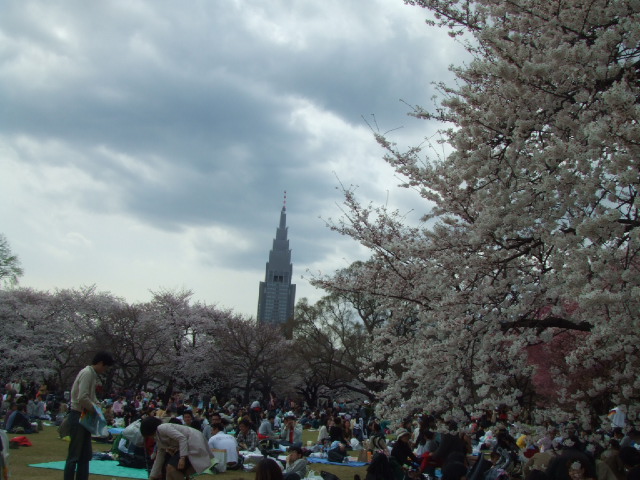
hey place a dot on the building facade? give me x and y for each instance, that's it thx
(277, 294)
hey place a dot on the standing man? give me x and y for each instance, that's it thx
(83, 397)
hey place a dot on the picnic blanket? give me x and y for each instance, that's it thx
(110, 468)
(324, 460)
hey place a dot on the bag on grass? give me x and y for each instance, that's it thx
(328, 475)
(221, 457)
(64, 429)
(21, 441)
(132, 461)
(362, 456)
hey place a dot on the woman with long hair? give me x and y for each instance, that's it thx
(268, 469)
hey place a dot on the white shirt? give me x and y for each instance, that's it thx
(224, 441)
(83, 392)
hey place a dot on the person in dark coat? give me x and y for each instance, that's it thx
(401, 450)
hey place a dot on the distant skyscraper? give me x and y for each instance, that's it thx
(277, 294)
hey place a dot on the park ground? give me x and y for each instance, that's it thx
(48, 447)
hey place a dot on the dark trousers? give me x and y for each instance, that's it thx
(79, 456)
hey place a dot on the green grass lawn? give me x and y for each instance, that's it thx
(47, 447)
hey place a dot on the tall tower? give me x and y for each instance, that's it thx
(277, 294)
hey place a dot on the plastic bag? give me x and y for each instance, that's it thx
(133, 435)
(220, 456)
(93, 420)
(312, 475)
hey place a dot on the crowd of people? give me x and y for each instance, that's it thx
(490, 448)
(184, 436)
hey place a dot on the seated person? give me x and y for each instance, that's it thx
(129, 454)
(35, 408)
(336, 431)
(255, 413)
(247, 438)
(376, 432)
(108, 414)
(346, 429)
(357, 433)
(223, 441)
(18, 421)
(292, 432)
(206, 425)
(305, 419)
(450, 442)
(454, 471)
(401, 450)
(268, 469)
(296, 465)
(277, 423)
(188, 418)
(265, 431)
(11, 407)
(127, 447)
(325, 424)
(380, 468)
(337, 453)
(118, 407)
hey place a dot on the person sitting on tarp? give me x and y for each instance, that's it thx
(223, 441)
(266, 435)
(35, 408)
(337, 453)
(292, 432)
(18, 421)
(247, 438)
(296, 465)
(401, 450)
(130, 455)
(126, 446)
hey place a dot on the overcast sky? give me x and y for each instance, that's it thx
(146, 144)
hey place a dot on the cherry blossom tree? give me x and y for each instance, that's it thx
(255, 358)
(10, 268)
(530, 225)
(48, 337)
(180, 330)
(131, 334)
(28, 341)
(83, 315)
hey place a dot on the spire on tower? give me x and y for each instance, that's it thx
(276, 299)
